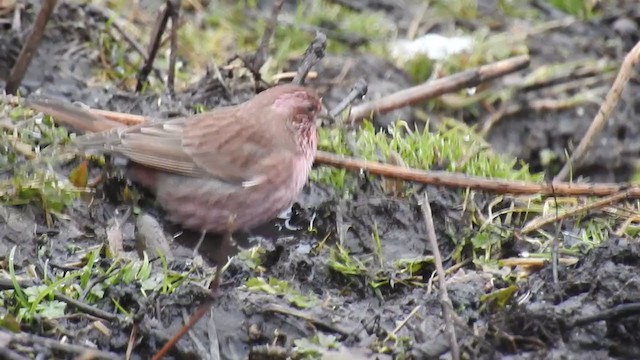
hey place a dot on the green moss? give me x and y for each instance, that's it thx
(584, 9)
(457, 9)
(274, 286)
(419, 68)
(454, 145)
(29, 175)
(233, 30)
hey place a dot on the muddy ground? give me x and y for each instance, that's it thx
(539, 323)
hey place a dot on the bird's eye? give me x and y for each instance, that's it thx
(311, 108)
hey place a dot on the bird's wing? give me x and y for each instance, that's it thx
(156, 144)
(232, 147)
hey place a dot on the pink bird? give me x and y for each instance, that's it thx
(244, 163)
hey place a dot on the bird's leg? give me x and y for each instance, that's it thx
(195, 250)
(215, 284)
(220, 263)
(222, 255)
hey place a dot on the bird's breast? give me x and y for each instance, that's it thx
(203, 204)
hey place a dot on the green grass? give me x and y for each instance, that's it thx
(87, 284)
(454, 145)
(583, 9)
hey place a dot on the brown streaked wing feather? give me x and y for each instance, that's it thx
(232, 147)
(157, 144)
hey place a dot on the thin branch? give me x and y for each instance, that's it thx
(154, 45)
(260, 56)
(132, 341)
(299, 314)
(118, 25)
(437, 87)
(30, 47)
(555, 249)
(312, 55)
(7, 284)
(86, 308)
(357, 91)
(528, 262)
(617, 312)
(9, 354)
(200, 312)
(457, 180)
(447, 306)
(402, 323)
(174, 13)
(603, 115)
(29, 339)
(540, 222)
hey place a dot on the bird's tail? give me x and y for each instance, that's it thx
(99, 131)
(75, 116)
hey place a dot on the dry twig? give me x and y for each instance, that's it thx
(7, 284)
(359, 90)
(26, 339)
(599, 204)
(86, 308)
(312, 55)
(118, 24)
(610, 102)
(154, 45)
(260, 56)
(447, 179)
(29, 48)
(200, 312)
(132, 341)
(437, 87)
(614, 313)
(447, 307)
(299, 314)
(174, 14)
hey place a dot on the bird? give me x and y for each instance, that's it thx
(231, 168)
